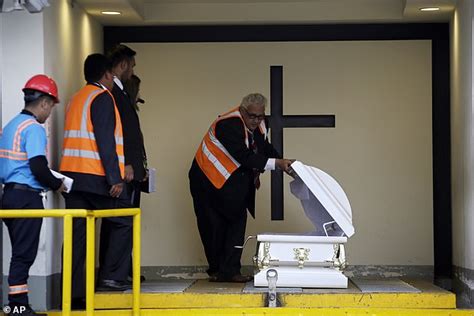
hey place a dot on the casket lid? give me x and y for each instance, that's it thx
(329, 193)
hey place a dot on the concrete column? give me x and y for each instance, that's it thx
(462, 115)
(22, 56)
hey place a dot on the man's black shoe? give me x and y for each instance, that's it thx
(23, 310)
(129, 279)
(112, 285)
(213, 276)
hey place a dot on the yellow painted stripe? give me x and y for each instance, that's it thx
(283, 312)
(372, 300)
(179, 300)
(212, 300)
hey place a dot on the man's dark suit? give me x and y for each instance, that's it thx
(222, 213)
(134, 148)
(134, 155)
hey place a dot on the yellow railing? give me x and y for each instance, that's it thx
(90, 252)
(90, 256)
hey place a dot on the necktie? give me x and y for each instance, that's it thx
(256, 173)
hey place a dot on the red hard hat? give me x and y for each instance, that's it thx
(43, 83)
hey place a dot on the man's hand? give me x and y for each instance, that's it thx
(116, 190)
(62, 188)
(128, 173)
(147, 174)
(283, 164)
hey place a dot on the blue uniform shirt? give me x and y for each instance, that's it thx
(23, 138)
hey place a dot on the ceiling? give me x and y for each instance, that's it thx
(208, 12)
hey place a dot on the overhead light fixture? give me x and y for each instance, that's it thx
(111, 12)
(430, 9)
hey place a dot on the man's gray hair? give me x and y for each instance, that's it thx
(253, 98)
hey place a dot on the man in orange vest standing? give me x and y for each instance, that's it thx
(25, 173)
(93, 156)
(223, 178)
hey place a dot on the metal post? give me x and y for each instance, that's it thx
(67, 265)
(272, 278)
(90, 264)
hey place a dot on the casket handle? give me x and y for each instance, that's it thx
(302, 255)
(339, 258)
(245, 242)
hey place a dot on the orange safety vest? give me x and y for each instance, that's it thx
(80, 152)
(213, 158)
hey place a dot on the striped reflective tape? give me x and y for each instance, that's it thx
(13, 155)
(221, 147)
(119, 140)
(217, 164)
(87, 154)
(79, 134)
(85, 108)
(263, 129)
(21, 128)
(88, 135)
(18, 289)
(81, 153)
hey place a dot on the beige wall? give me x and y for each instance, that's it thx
(462, 135)
(380, 150)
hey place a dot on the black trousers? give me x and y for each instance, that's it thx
(115, 256)
(131, 200)
(221, 227)
(135, 198)
(24, 236)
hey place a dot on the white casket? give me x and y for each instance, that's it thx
(315, 259)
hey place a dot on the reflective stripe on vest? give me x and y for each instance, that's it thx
(21, 128)
(263, 129)
(214, 159)
(80, 151)
(18, 289)
(86, 154)
(88, 135)
(15, 153)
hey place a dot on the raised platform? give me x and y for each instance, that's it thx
(204, 294)
(201, 297)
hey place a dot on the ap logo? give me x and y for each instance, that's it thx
(15, 309)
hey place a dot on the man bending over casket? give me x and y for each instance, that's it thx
(223, 179)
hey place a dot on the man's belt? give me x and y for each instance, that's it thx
(23, 187)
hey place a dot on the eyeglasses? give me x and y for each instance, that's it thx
(254, 116)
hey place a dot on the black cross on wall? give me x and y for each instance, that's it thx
(278, 121)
